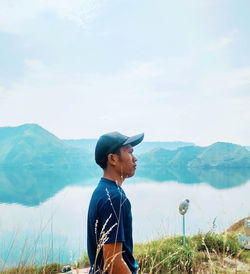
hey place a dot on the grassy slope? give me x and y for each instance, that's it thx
(202, 253)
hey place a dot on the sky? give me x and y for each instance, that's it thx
(175, 70)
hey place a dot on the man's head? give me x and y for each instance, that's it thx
(111, 143)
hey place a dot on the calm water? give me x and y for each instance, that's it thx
(43, 213)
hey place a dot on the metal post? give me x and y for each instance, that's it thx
(183, 230)
(183, 207)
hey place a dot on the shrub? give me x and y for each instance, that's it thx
(46, 269)
(216, 243)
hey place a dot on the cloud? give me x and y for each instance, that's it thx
(223, 41)
(14, 13)
(34, 65)
(79, 11)
(99, 102)
(2, 93)
(233, 81)
(143, 69)
(162, 98)
(184, 97)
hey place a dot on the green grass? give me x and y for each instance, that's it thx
(83, 261)
(46, 269)
(202, 253)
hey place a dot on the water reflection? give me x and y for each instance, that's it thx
(32, 187)
(217, 178)
(45, 233)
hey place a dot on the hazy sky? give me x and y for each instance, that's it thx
(176, 70)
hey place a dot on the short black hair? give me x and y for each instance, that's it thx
(105, 160)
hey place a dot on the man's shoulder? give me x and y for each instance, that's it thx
(106, 191)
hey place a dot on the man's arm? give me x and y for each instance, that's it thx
(113, 260)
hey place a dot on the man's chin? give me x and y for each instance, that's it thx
(131, 174)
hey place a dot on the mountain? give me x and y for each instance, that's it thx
(30, 145)
(89, 145)
(149, 146)
(217, 155)
(222, 165)
(35, 164)
(86, 144)
(222, 155)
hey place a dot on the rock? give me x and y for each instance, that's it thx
(238, 265)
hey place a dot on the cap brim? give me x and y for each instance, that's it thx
(134, 140)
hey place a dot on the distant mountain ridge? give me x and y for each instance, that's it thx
(217, 155)
(31, 145)
(89, 145)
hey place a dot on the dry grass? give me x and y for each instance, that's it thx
(203, 253)
(237, 227)
(46, 269)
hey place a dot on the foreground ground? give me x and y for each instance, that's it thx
(202, 253)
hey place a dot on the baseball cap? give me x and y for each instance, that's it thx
(110, 142)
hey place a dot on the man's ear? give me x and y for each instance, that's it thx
(112, 159)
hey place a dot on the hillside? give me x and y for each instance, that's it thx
(35, 164)
(223, 155)
(30, 145)
(217, 155)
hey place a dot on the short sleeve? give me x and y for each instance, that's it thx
(111, 219)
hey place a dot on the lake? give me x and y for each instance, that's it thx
(43, 213)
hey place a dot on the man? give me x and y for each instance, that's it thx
(110, 243)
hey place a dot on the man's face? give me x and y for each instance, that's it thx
(127, 161)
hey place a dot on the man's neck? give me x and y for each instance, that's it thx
(113, 177)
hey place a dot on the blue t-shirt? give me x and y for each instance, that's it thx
(109, 221)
